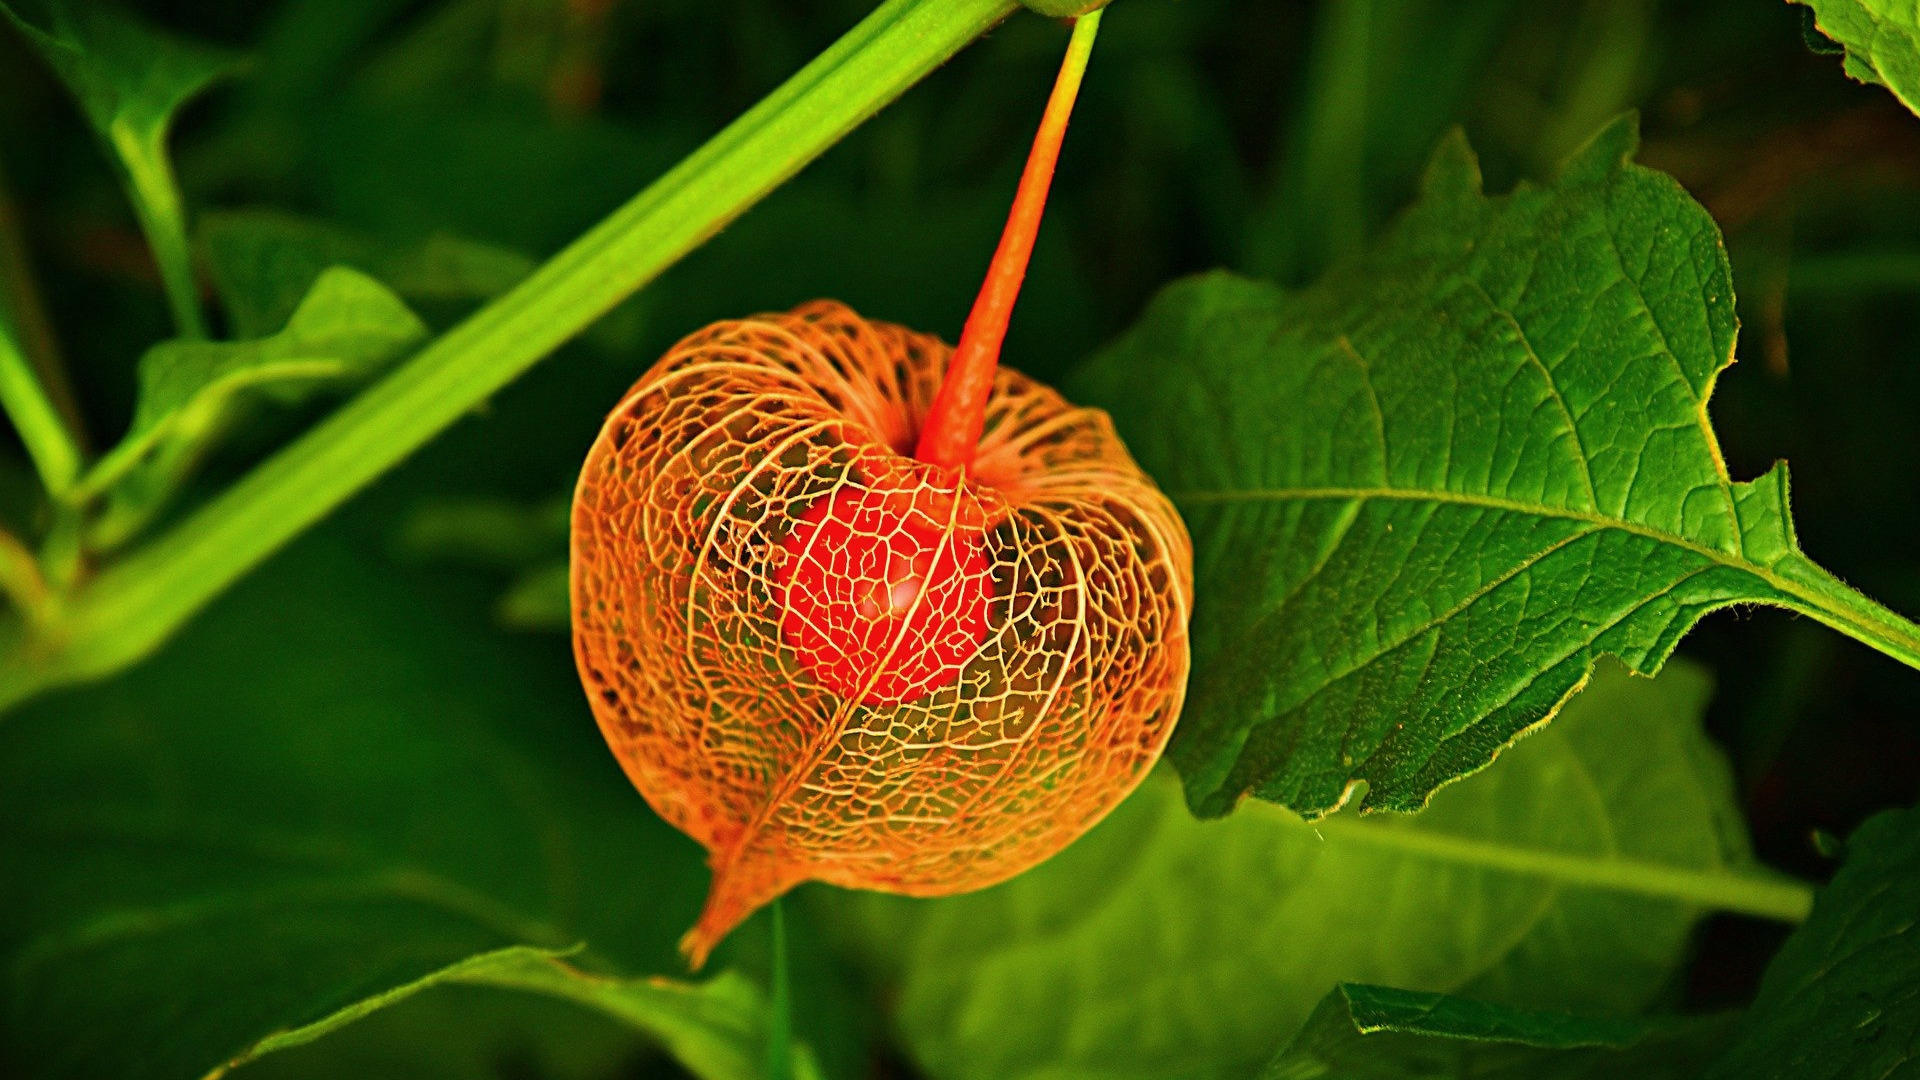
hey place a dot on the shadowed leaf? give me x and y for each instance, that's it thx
(330, 789)
(1376, 1033)
(716, 1029)
(1843, 997)
(263, 262)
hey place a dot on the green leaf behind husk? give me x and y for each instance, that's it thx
(1161, 946)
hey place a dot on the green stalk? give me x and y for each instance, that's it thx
(156, 202)
(779, 1001)
(49, 432)
(131, 608)
(1818, 593)
(51, 445)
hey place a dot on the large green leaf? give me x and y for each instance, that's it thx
(1881, 38)
(1163, 946)
(131, 79)
(347, 329)
(1843, 997)
(1427, 493)
(337, 789)
(1376, 1033)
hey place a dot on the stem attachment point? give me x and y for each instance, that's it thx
(959, 411)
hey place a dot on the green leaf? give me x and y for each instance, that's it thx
(347, 330)
(131, 80)
(337, 786)
(715, 1029)
(1160, 945)
(1364, 1032)
(1840, 999)
(1882, 42)
(460, 1031)
(264, 261)
(1428, 492)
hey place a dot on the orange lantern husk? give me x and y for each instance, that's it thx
(1014, 749)
(849, 612)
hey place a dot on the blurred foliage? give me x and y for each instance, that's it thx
(348, 704)
(1839, 1001)
(1162, 945)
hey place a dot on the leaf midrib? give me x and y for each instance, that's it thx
(1806, 588)
(1732, 560)
(1763, 894)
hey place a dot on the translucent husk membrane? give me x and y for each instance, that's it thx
(737, 517)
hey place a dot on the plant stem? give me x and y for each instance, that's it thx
(22, 582)
(959, 410)
(51, 445)
(156, 201)
(779, 1001)
(1822, 596)
(27, 387)
(132, 607)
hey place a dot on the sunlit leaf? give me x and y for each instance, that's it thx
(1881, 38)
(1164, 946)
(1375, 1033)
(1842, 999)
(1428, 492)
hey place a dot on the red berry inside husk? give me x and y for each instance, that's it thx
(883, 601)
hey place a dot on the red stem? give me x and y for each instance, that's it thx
(959, 410)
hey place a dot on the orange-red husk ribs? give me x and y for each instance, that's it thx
(827, 660)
